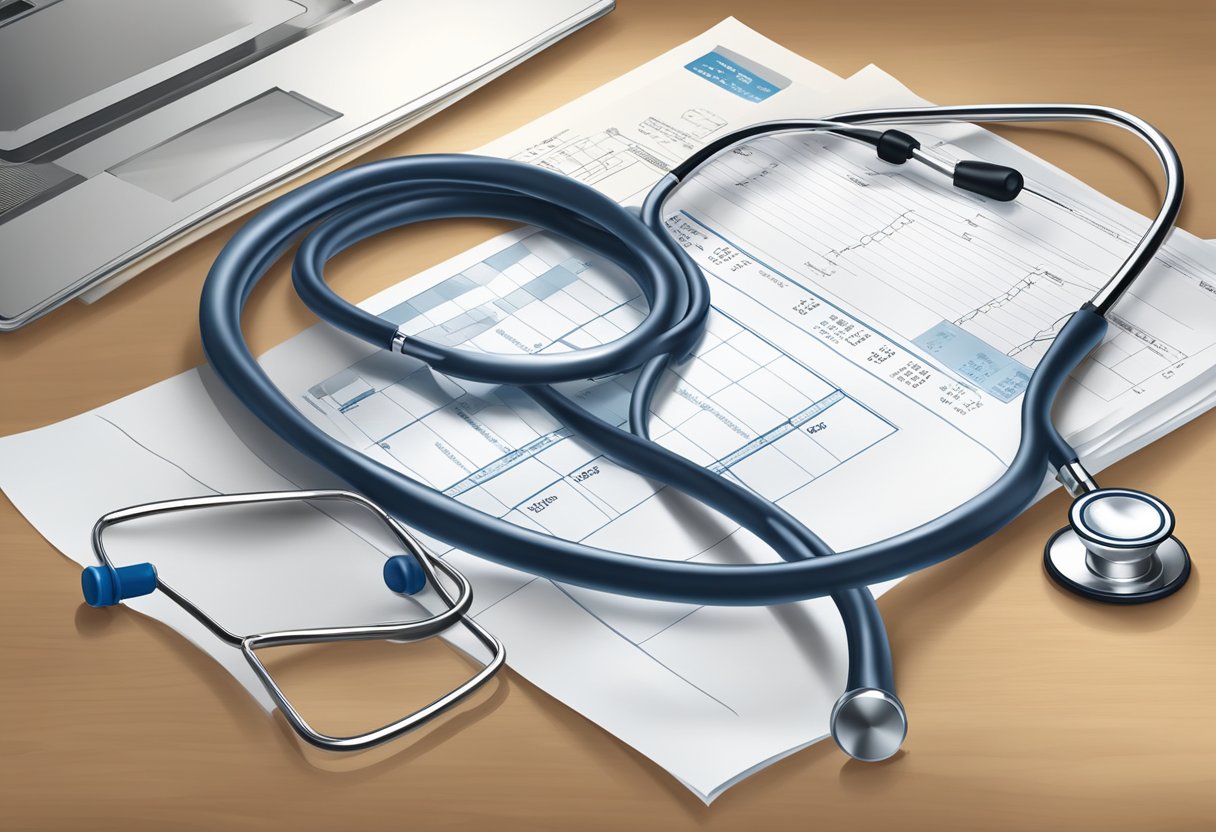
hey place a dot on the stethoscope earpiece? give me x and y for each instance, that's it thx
(105, 585)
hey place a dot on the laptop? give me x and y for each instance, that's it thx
(129, 126)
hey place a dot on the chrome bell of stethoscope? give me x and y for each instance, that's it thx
(1118, 546)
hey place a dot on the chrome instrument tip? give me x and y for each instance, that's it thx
(869, 724)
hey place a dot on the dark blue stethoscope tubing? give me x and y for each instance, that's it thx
(603, 223)
(345, 229)
(792, 540)
(252, 249)
(869, 664)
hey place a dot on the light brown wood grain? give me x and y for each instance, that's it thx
(1030, 709)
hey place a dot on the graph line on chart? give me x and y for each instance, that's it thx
(1043, 336)
(653, 147)
(1008, 296)
(902, 221)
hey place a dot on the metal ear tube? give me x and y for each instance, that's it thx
(106, 585)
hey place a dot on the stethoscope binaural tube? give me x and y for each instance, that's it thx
(353, 204)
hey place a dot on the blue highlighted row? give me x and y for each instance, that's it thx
(976, 360)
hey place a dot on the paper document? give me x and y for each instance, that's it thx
(871, 335)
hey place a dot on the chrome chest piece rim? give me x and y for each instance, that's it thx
(1118, 548)
(1065, 558)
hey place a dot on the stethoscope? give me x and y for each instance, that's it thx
(1118, 545)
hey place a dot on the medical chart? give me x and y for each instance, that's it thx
(869, 325)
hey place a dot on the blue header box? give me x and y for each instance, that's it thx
(737, 75)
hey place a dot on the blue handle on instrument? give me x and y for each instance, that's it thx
(403, 573)
(105, 586)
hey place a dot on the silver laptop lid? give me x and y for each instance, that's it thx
(126, 123)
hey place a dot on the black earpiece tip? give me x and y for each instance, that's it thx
(986, 179)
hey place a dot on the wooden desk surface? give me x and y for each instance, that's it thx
(1029, 708)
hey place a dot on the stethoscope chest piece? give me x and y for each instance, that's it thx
(1118, 548)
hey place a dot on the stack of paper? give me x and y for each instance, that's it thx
(872, 333)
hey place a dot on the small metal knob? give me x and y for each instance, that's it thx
(869, 724)
(1118, 547)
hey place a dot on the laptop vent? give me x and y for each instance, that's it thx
(23, 186)
(8, 12)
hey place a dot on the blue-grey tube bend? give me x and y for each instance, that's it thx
(870, 664)
(251, 251)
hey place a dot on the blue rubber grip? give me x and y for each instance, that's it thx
(105, 586)
(403, 573)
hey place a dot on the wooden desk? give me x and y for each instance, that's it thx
(1029, 708)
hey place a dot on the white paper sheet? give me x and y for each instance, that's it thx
(818, 381)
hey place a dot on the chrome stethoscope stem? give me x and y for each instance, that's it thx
(1137, 260)
(107, 584)
(1171, 202)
